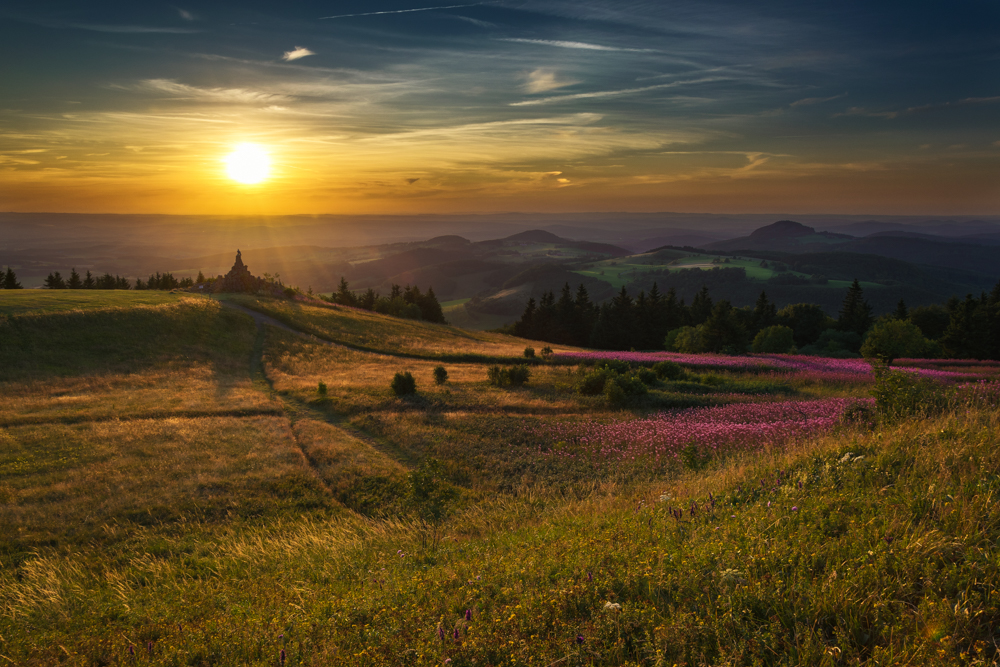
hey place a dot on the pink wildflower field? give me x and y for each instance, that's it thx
(814, 367)
(711, 431)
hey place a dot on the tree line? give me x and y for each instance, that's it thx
(968, 328)
(406, 302)
(156, 281)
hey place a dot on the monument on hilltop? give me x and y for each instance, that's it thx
(239, 279)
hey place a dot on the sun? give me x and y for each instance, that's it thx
(248, 164)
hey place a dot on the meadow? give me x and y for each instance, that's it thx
(180, 486)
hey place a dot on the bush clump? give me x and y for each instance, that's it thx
(440, 375)
(778, 339)
(529, 353)
(321, 389)
(668, 370)
(403, 384)
(502, 376)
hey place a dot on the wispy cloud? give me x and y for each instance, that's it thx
(476, 22)
(815, 100)
(958, 103)
(185, 14)
(298, 52)
(542, 80)
(134, 29)
(862, 111)
(585, 46)
(178, 90)
(614, 93)
(399, 11)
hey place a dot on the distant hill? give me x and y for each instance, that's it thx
(787, 236)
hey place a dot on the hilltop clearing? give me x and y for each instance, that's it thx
(184, 483)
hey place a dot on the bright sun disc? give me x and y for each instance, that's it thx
(248, 164)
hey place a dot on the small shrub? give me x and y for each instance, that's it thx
(440, 375)
(500, 376)
(403, 384)
(518, 375)
(546, 352)
(668, 370)
(529, 353)
(901, 394)
(592, 383)
(623, 389)
(647, 376)
(321, 389)
(694, 459)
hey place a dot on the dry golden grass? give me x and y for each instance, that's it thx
(382, 333)
(359, 381)
(64, 484)
(177, 387)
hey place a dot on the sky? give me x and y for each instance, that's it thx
(386, 106)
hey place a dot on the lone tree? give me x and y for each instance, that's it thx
(856, 313)
(10, 280)
(894, 339)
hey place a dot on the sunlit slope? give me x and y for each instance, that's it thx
(187, 356)
(21, 302)
(373, 332)
(875, 548)
(68, 485)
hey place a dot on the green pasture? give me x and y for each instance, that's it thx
(623, 271)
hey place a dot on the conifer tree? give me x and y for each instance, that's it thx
(430, 308)
(525, 327)
(89, 282)
(764, 313)
(74, 281)
(902, 312)
(201, 277)
(55, 281)
(701, 306)
(855, 313)
(368, 299)
(344, 296)
(10, 280)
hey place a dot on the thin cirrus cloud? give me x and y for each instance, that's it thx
(816, 100)
(183, 91)
(614, 93)
(298, 52)
(583, 46)
(134, 29)
(398, 11)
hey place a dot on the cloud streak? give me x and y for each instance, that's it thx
(583, 46)
(614, 93)
(399, 11)
(134, 29)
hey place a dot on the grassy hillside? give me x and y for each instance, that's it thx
(278, 526)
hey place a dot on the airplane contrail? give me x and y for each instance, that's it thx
(401, 11)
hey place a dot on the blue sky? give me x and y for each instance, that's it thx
(497, 106)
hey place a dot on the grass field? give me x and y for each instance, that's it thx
(175, 490)
(21, 302)
(622, 272)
